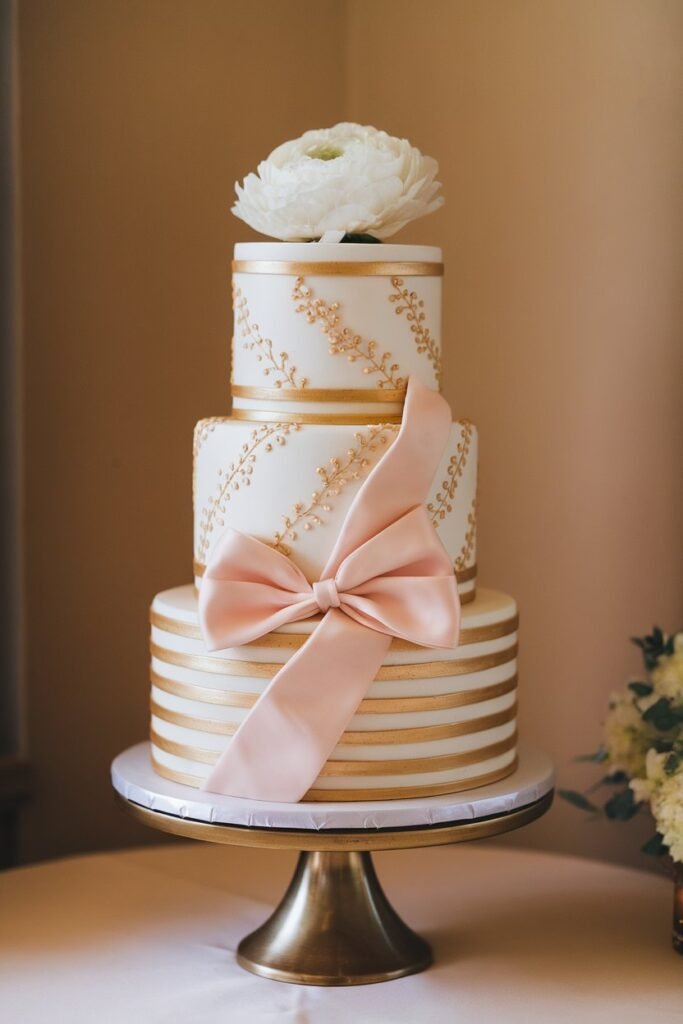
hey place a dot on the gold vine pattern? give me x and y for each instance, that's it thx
(342, 340)
(443, 500)
(466, 550)
(201, 431)
(238, 475)
(343, 471)
(412, 305)
(275, 365)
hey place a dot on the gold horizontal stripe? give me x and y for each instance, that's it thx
(411, 792)
(368, 706)
(355, 769)
(339, 268)
(379, 793)
(318, 394)
(465, 575)
(355, 418)
(461, 575)
(204, 694)
(418, 765)
(421, 734)
(209, 725)
(267, 669)
(348, 795)
(290, 641)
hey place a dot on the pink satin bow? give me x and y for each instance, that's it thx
(388, 575)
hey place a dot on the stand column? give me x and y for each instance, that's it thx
(334, 926)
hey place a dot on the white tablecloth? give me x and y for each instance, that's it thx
(149, 937)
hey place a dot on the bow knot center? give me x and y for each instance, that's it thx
(325, 593)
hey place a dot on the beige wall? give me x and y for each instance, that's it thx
(557, 125)
(558, 128)
(137, 116)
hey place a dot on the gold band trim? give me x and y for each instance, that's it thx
(268, 669)
(355, 769)
(461, 575)
(352, 418)
(465, 575)
(420, 734)
(319, 394)
(368, 706)
(291, 641)
(379, 793)
(339, 268)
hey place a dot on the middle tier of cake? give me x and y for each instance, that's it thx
(433, 721)
(290, 485)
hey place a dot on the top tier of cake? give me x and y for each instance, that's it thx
(332, 332)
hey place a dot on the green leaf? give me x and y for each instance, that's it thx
(578, 800)
(655, 847)
(672, 764)
(662, 746)
(663, 715)
(615, 778)
(597, 758)
(641, 689)
(350, 237)
(653, 646)
(621, 806)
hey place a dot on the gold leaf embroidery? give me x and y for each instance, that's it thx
(353, 467)
(443, 500)
(466, 550)
(342, 340)
(237, 475)
(275, 365)
(412, 305)
(201, 431)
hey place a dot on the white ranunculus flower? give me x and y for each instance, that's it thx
(627, 736)
(350, 178)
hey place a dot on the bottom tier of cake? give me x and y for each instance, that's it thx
(432, 721)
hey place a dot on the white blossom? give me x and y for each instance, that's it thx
(350, 178)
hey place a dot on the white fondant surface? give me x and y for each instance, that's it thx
(134, 779)
(352, 252)
(283, 321)
(250, 478)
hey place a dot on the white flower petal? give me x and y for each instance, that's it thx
(349, 178)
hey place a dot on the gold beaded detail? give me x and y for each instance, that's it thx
(237, 475)
(274, 365)
(344, 341)
(343, 471)
(443, 500)
(468, 545)
(409, 303)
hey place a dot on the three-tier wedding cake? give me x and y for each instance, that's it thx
(328, 340)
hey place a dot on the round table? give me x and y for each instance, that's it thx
(150, 935)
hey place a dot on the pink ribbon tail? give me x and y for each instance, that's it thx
(295, 724)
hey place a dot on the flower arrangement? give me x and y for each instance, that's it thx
(642, 751)
(643, 746)
(350, 182)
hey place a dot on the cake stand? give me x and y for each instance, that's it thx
(334, 925)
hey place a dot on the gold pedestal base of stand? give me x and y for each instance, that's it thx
(334, 926)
